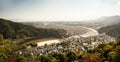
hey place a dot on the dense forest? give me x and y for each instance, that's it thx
(15, 30)
(112, 30)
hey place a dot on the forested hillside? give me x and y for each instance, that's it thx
(13, 30)
(113, 30)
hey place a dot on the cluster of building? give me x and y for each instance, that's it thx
(74, 43)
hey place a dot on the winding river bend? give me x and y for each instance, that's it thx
(90, 32)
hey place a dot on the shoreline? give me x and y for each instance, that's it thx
(91, 32)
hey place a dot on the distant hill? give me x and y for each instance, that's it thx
(112, 30)
(106, 20)
(109, 20)
(11, 29)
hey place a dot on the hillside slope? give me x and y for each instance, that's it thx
(11, 29)
(113, 30)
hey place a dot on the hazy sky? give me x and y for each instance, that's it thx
(57, 10)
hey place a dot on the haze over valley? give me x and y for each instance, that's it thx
(59, 31)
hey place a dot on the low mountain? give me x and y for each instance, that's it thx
(112, 30)
(109, 20)
(11, 29)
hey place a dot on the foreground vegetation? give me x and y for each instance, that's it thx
(104, 52)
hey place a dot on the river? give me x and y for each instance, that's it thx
(90, 32)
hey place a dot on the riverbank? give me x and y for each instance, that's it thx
(90, 32)
(48, 42)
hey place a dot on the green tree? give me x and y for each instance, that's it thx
(4, 52)
(61, 57)
(71, 56)
(45, 58)
(111, 56)
(101, 46)
(21, 58)
(1, 39)
(117, 58)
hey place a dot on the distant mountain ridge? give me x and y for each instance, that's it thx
(109, 20)
(11, 29)
(112, 27)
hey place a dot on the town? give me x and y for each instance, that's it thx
(73, 43)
